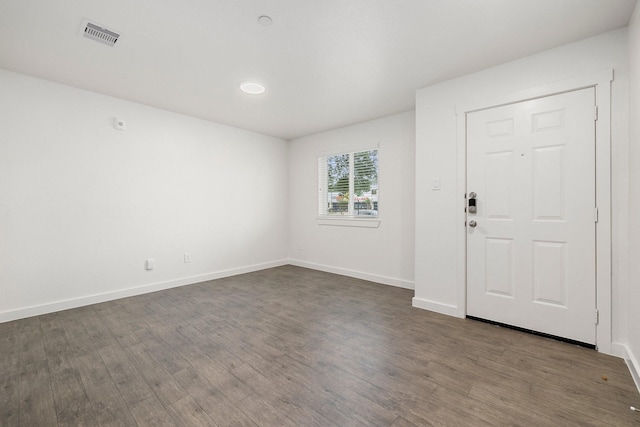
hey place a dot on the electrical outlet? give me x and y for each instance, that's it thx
(187, 257)
(150, 264)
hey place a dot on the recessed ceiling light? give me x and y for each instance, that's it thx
(252, 88)
(265, 20)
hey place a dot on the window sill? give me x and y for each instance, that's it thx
(348, 222)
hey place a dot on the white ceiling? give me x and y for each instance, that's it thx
(325, 63)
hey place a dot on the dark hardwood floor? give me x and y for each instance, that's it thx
(296, 347)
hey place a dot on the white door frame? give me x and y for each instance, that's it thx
(601, 81)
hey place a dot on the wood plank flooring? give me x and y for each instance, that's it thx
(295, 347)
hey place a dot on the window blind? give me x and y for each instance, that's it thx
(348, 184)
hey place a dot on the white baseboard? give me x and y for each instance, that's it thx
(618, 350)
(391, 281)
(632, 363)
(21, 313)
(449, 310)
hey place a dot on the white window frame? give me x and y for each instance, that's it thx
(348, 220)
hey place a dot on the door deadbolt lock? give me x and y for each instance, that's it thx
(472, 203)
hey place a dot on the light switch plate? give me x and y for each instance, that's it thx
(435, 185)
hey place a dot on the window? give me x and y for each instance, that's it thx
(348, 185)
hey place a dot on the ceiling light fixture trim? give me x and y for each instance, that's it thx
(252, 88)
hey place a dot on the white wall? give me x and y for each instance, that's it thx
(384, 254)
(633, 296)
(438, 222)
(82, 205)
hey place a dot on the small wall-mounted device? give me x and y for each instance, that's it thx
(119, 124)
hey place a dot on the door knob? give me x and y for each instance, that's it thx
(472, 223)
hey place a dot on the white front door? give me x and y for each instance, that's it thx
(531, 254)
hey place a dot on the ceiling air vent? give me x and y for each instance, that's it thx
(100, 34)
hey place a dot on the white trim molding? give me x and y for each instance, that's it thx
(21, 313)
(601, 81)
(632, 362)
(438, 307)
(24, 312)
(384, 280)
(348, 222)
